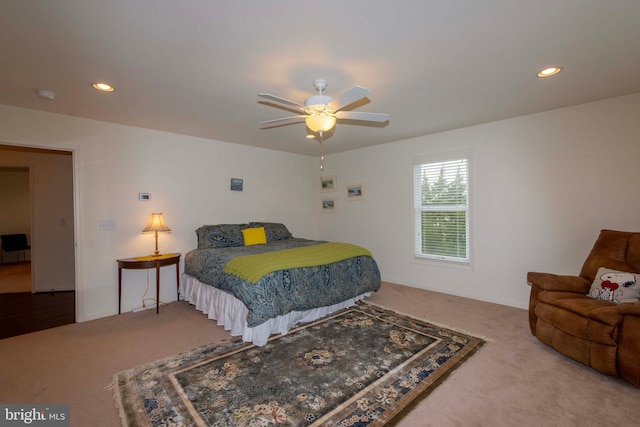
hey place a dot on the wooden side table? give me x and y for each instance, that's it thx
(146, 262)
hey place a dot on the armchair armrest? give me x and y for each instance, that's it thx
(558, 283)
(632, 308)
(551, 282)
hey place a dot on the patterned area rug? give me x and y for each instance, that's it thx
(361, 366)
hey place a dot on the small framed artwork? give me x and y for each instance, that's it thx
(328, 183)
(328, 204)
(236, 184)
(354, 191)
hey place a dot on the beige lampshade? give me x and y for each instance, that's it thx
(156, 223)
(320, 121)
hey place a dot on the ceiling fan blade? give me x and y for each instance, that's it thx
(349, 97)
(290, 118)
(281, 100)
(357, 115)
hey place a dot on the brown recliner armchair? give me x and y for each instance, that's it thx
(601, 334)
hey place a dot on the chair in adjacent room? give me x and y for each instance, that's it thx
(14, 243)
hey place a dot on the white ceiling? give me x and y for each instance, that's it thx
(195, 67)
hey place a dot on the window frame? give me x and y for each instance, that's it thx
(417, 208)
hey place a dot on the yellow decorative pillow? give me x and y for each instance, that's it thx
(254, 236)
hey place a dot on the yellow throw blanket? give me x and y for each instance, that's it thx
(253, 267)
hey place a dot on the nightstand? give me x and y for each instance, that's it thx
(146, 262)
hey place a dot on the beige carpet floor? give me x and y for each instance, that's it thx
(15, 277)
(513, 381)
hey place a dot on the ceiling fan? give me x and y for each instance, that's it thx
(320, 112)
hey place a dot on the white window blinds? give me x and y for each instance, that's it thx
(441, 207)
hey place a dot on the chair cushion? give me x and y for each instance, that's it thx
(633, 252)
(580, 316)
(602, 311)
(14, 242)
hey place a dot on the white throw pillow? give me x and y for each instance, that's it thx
(615, 286)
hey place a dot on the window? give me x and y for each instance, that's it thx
(441, 207)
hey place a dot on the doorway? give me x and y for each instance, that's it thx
(15, 229)
(36, 194)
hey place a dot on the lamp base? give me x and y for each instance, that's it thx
(156, 253)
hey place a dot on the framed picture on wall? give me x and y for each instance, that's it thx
(328, 204)
(328, 183)
(354, 191)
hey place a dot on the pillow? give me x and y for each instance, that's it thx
(254, 236)
(615, 286)
(220, 235)
(273, 230)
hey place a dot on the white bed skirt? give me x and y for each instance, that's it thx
(231, 313)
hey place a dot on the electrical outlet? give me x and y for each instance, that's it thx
(107, 225)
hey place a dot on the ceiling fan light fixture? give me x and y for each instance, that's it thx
(320, 121)
(320, 112)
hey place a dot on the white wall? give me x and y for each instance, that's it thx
(188, 179)
(543, 186)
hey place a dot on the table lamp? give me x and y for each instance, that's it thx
(156, 224)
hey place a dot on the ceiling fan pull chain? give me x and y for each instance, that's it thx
(321, 152)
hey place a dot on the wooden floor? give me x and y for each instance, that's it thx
(15, 277)
(21, 313)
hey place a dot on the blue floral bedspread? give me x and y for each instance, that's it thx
(283, 291)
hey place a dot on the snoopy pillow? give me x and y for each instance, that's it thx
(615, 286)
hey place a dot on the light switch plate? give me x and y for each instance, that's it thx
(107, 225)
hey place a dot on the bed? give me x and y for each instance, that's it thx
(256, 279)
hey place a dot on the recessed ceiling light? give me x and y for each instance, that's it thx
(551, 71)
(103, 87)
